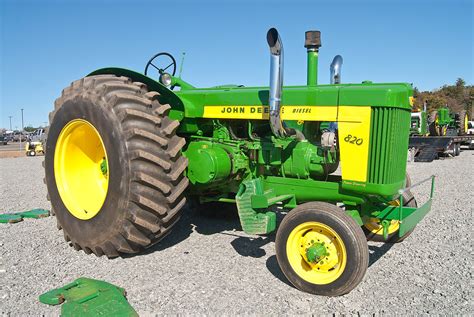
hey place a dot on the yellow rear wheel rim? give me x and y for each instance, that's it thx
(81, 169)
(331, 267)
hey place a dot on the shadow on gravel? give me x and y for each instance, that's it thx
(251, 247)
(206, 221)
(376, 252)
(217, 218)
(274, 268)
(209, 220)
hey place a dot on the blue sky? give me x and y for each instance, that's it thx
(47, 44)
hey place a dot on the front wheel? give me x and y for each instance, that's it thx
(321, 250)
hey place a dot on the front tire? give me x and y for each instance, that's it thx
(321, 250)
(113, 164)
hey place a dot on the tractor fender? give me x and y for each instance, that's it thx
(167, 96)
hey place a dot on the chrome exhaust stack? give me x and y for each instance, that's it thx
(335, 68)
(276, 82)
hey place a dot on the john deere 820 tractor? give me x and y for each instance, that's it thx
(125, 151)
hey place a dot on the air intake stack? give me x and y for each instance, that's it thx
(312, 43)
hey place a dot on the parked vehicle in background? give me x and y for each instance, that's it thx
(444, 122)
(36, 141)
(39, 135)
(419, 123)
(470, 127)
(442, 133)
(8, 136)
(20, 136)
(3, 140)
(470, 131)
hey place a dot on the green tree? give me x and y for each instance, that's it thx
(460, 82)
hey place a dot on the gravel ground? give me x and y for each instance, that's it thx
(209, 266)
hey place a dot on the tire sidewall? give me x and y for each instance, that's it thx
(344, 232)
(92, 108)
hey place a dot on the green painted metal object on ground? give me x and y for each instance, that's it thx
(34, 213)
(10, 218)
(89, 297)
(18, 216)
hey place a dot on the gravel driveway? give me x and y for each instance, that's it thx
(207, 265)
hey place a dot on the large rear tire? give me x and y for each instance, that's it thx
(463, 124)
(321, 250)
(113, 164)
(433, 126)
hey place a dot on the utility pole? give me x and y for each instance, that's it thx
(10, 122)
(22, 126)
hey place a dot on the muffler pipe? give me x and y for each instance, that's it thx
(276, 82)
(335, 68)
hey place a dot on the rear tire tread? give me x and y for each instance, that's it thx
(150, 136)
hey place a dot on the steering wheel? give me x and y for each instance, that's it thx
(161, 70)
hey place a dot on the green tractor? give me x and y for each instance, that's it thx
(419, 123)
(443, 122)
(125, 152)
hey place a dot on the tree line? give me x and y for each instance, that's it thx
(457, 97)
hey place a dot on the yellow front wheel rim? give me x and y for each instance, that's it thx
(330, 267)
(81, 169)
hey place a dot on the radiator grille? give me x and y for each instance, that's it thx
(389, 145)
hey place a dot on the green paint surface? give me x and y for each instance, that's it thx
(315, 252)
(240, 159)
(89, 297)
